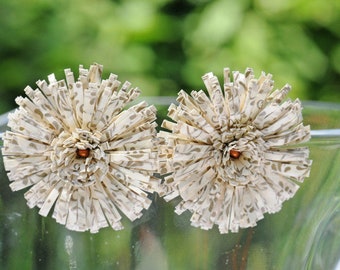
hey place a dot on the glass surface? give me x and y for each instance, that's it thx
(303, 235)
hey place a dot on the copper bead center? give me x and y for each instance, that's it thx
(234, 153)
(83, 153)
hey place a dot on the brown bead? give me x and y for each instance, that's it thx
(234, 153)
(83, 153)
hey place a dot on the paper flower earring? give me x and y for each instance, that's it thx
(230, 153)
(77, 149)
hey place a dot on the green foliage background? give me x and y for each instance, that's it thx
(163, 46)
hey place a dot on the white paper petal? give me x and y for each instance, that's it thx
(230, 155)
(80, 153)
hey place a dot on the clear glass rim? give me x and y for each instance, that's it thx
(167, 100)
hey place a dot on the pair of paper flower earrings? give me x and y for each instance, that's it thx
(228, 154)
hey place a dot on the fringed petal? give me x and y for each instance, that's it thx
(81, 153)
(231, 155)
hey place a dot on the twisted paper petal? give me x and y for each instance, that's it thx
(231, 154)
(77, 149)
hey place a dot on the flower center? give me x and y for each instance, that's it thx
(239, 161)
(229, 152)
(78, 157)
(83, 153)
(234, 153)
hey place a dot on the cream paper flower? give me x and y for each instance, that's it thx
(230, 154)
(77, 148)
